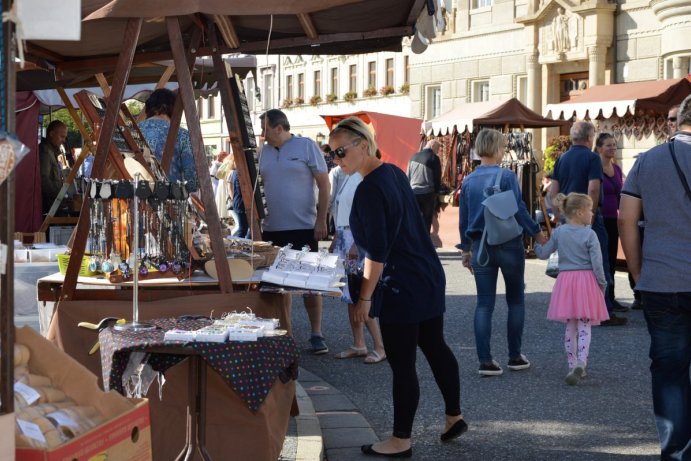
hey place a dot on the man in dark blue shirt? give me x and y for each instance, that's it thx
(579, 169)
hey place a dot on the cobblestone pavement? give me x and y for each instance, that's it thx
(526, 415)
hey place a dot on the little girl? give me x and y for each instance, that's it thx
(578, 295)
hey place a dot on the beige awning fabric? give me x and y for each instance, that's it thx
(491, 113)
(617, 100)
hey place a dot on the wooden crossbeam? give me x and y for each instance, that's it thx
(167, 157)
(308, 26)
(227, 30)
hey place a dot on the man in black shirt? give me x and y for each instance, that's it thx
(424, 174)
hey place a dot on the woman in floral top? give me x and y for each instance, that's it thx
(159, 110)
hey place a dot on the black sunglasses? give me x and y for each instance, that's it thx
(341, 151)
(672, 119)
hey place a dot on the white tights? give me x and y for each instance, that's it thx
(577, 341)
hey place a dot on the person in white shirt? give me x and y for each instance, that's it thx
(343, 190)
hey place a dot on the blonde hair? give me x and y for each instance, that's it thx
(488, 142)
(356, 129)
(570, 204)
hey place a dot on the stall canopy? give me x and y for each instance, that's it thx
(246, 26)
(510, 113)
(398, 138)
(622, 98)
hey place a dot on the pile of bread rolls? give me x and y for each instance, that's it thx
(39, 405)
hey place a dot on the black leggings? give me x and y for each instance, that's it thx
(400, 343)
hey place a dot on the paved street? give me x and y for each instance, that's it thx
(527, 415)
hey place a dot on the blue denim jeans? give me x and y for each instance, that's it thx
(668, 316)
(510, 258)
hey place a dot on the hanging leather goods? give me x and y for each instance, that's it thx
(124, 190)
(143, 190)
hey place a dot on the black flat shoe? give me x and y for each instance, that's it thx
(368, 450)
(458, 428)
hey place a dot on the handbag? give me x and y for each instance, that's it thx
(500, 220)
(355, 286)
(553, 265)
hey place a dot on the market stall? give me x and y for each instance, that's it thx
(398, 138)
(112, 40)
(635, 113)
(456, 130)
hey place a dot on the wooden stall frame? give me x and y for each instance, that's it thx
(7, 333)
(185, 102)
(231, 116)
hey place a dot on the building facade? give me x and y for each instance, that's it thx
(547, 51)
(539, 51)
(306, 87)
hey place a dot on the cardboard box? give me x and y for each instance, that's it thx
(126, 436)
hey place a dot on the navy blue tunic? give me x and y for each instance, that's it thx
(387, 224)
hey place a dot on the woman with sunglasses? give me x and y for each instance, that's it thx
(401, 267)
(612, 183)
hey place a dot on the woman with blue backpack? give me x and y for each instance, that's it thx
(493, 221)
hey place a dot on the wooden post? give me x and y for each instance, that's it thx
(231, 115)
(167, 157)
(186, 94)
(7, 226)
(122, 73)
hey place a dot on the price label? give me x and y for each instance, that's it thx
(28, 393)
(60, 418)
(31, 430)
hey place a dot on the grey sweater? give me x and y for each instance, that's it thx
(578, 248)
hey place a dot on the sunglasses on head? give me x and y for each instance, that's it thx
(341, 151)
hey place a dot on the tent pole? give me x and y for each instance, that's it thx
(122, 73)
(187, 97)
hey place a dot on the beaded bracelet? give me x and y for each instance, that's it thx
(366, 300)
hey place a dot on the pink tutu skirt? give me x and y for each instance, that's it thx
(577, 295)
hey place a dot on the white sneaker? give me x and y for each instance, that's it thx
(575, 374)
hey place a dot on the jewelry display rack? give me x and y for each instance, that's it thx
(135, 324)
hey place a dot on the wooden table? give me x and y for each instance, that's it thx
(168, 416)
(271, 359)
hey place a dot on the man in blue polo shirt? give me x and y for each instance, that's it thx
(579, 169)
(291, 166)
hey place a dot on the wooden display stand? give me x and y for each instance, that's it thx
(78, 305)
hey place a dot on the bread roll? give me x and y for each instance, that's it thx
(21, 355)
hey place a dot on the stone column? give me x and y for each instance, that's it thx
(534, 96)
(534, 81)
(680, 66)
(596, 65)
